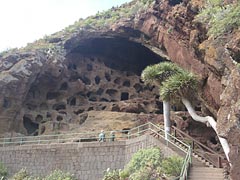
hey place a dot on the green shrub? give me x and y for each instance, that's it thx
(172, 166)
(59, 175)
(144, 158)
(3, 171)
(220, 19)
(112, 175)
(21, 175)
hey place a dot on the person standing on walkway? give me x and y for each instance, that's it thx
(101, 136)
(112, 136)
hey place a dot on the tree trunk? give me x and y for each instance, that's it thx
(210, 120)
(166, 117)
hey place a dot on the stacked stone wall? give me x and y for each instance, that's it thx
(87, 160)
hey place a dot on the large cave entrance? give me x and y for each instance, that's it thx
(119, 54)
(99, 74)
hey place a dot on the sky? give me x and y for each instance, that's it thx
(24, 21)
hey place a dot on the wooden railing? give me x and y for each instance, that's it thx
(200, 149)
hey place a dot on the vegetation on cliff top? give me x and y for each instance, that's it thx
(100, 21)
(219, 17)
(106, 18)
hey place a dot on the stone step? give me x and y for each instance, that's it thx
(207, 169)
(206, 173)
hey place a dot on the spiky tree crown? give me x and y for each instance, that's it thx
(173, 81)
(180, 85)
(158, 73)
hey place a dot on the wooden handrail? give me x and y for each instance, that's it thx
(194, 141)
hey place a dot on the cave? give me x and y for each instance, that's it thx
(107, 76)
(52, 95)
(85, 80)
(117, 80)
(126, 83)
(59, 106)
(29, 125)
(6, 103)
(97, 79)
(124, 96)
(64, 86)
(175, 2)
(72, 101)
(138, 87)
(119, 53)
(100, 74)
(39, 118)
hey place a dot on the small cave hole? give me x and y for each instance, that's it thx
(97, 79)
(74, 78)
(6, 103)
(89, 67)
(72, 66)
(117, 81)
(125, 130)
(108, 77)
(104, 100)
(124, 96)
(31, 106)
(82, 118)
(104, 107)
(91, 96)
(64, 86)
(72, 101)
(39, 118)
(213, 140)
(85, 80)
(112, 92)
(79, 111)
(48, 115)
(52, 95)
(198, 108)
(59, 106)
(149, 87)
(29, 125)
(90, 108)
(126, 83)
(138, 87)
(59, 118)
(174, 2)
(99, 91)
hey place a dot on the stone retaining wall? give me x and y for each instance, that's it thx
(87, 160)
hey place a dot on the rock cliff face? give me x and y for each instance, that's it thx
(98, 69)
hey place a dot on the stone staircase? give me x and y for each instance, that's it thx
(205, 173)
(201, 168)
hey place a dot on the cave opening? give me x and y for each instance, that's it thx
(64, 86)
(124, 96)
(175, 2)
(29, 125)
(97, 70)
(119, 53)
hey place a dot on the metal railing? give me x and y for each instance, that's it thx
(149, 127)
(200, 149)
(61, 138)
